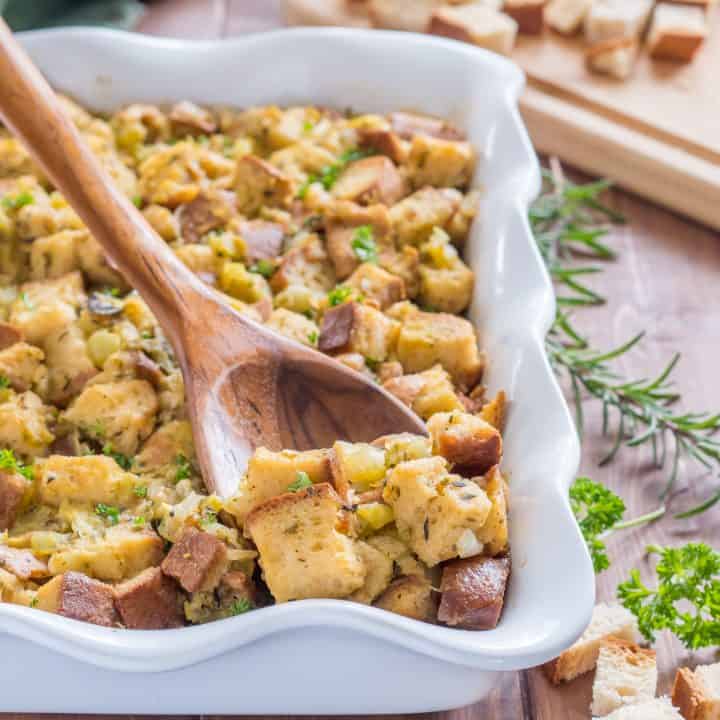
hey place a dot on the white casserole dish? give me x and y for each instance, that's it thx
(321, 656)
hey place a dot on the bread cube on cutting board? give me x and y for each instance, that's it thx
(567, 16)
(615, 58)
(677, 32)
(697, 693)
(611, 19)
(626, 675)
(528, 14)
(657, 709)
(477, 24)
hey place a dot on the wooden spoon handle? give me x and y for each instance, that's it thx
(30, 108)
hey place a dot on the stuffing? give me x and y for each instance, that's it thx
(257, 184)
(374, 283)
(427, 393)
(414, 218)
(23, 366)
(76, 596)
(294, 326)
(433, 508)
(24, 425)
(302, 554)
(411, 596)
(197, 560)
(13, 487)
(370, 180)
(441, 163)
(149, 601)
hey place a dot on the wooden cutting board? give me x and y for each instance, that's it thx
(657, 134)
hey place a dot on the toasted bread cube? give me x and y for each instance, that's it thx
(494, 411)
(22, 563)
(528, 14)
(359, 466)
(567, 16)
(477, 24)
(469, 443)
(494, 533)
(262, 240)
(294, 326)
(122, 554)
(355, 328)
(677, 32)
(197, 560)
(74, 595)
(302, 554)
(187, 118)
(120, 413)
(446, 282)
(433, 508)
(22, 365)
(615, 58)
(306, 264)
(44, 307)
(473, 592)
(697, 693)
(401, 15)
(208, 211)
(149, 601)
(24, 425)
(407, 125)
(626, 675)
(617, 19)
(402, 447)
(54, 255)
(91, 478)
(271, 473)
(414, 218)
(608, 621)
(440, 163)
(377, 284)
(12, 492)
(426, 339)
(411, 596)
(69, 364)
(426, 393)
(657, 709)
(165, 445)
(258, 183)
(342, 223)
(379, 569)
(9, 335)
(383, 142)
(369, 181)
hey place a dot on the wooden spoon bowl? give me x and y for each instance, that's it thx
(245, 385)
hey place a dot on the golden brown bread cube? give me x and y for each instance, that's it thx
(12, 491)
(352, 327)
(263, 240)
(22, 563)
(9, 335)
(22, 365)
(197, 560)
(120, 413)
(677, 32)
(697, 693)
(494, 533)
(383, 142)
(149, 601)
(416, 216)
(306, 264)
(271, 473)
(411, 596)
(473, 592)
(74, 595)
(258, 183)
(440, 163)
(426, 339)
(24, 425)
(165, 445)
(369, 181)
(427, 393)
(69, 364)
(379, 573)
(528, 14)
(401, 15)
(478, 24)
(407, 125)
(374, 283)
(187, 118)
(208, 211)
(302, 554)
(469, 443)
(436, 513)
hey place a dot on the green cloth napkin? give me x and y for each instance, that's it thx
(31, 14)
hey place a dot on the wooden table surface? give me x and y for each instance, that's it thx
(665, 282)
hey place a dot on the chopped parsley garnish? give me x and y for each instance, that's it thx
(308, 126)
(122, 460)
(112, 291)
(241, 606)
(364, 245)
(266, 268)
(19, 201)
(137, 201)
(338, 295)
(372, 363)
(4, 382)
(685, 601)
(139, 521)
(26, 300)
(330, 173)
(309, 313)
(313, 337)
(302, 481)
(34, 602)
(209, 517)
(109, 512)
(184, 469)
(8, 461)
(140, 491)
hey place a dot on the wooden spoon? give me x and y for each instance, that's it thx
(245, 385)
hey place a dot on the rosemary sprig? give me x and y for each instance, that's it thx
(569, 221)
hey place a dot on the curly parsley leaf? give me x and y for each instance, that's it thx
(686, 600)
(301, 482)
(364, 245)
(18, 201)
(109, 512)
(4, 382)
(123, 461)
(266, 268)
(337, 296)
(184, 469)
(241, 606)
(8, 461)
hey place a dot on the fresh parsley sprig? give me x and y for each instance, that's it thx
(686, 599)
(8, 461)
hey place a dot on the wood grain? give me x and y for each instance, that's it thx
(665, 281)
